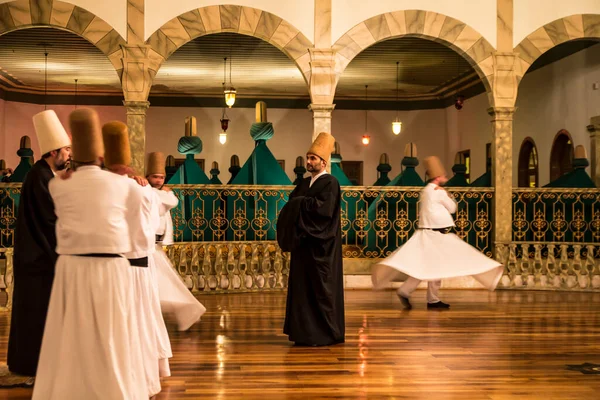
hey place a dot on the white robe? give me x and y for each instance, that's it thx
(90, 348)
(175, 297)
(142, 218)
(430, 255)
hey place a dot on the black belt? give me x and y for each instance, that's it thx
(139, 262)
(99, 255)
(159, 238)
(440, 230)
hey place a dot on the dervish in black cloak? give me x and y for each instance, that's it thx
(309, 227)
(35, 248)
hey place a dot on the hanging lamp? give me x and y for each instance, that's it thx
(229, 91)
(366, 139)
(397, 124)
(224, 125)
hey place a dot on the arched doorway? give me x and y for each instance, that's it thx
(528, 164)
(561, 155)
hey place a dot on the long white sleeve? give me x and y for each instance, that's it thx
(168, 201)
(447, 201)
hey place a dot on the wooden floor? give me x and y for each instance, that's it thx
(502, 345)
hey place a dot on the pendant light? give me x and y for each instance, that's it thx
(224, 125)
(76, 93)
(229, 91)
(397, 124)
(366, 139)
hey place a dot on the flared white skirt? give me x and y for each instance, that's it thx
(91, 348)
(161, 334)
(175, 297)
(430, 256)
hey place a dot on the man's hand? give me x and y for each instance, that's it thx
(140, 180)
(7, 171)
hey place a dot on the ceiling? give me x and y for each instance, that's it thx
(70, 57)
(258, 69)
(427, 70)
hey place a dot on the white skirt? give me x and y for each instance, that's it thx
(90, 348)
(162, 336)
(175, 297)
(430, 256)
(145, 302)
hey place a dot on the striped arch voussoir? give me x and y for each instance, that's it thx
(231, 18)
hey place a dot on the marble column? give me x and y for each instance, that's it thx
(502, 169)
(322, 122)
(594, 129)
(136, 124)
(321, 118)
(140, 65)
(9, 278)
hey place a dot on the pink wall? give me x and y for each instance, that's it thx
(18, 122)
(3, 144)
(293, 132)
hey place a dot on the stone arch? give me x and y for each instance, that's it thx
(23, 14)
(232, 18)
(440, 28)
(578, 26)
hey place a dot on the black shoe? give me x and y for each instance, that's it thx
(439, 305)
(405, 302)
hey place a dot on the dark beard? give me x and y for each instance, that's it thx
(60, 167)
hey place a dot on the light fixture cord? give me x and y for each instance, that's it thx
(75, 93)
(397, 82)
(230, 82)
(45, 80)
(366, 106)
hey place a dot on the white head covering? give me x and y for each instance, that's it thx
(50, 133)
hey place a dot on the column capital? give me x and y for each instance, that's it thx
(503, 79)
(323, 79)
(134, 107)
(139, 67)
(502, 113)
(325, 56)
(594, 126)
(321, 109)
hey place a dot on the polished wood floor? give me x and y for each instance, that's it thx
(502, 345)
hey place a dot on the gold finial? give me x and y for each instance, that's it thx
(410, 150)
(336, 148)
(25, 142)
(261, 112)
(580, 152)
(170, 161)
(384, 159)
(190, 126)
